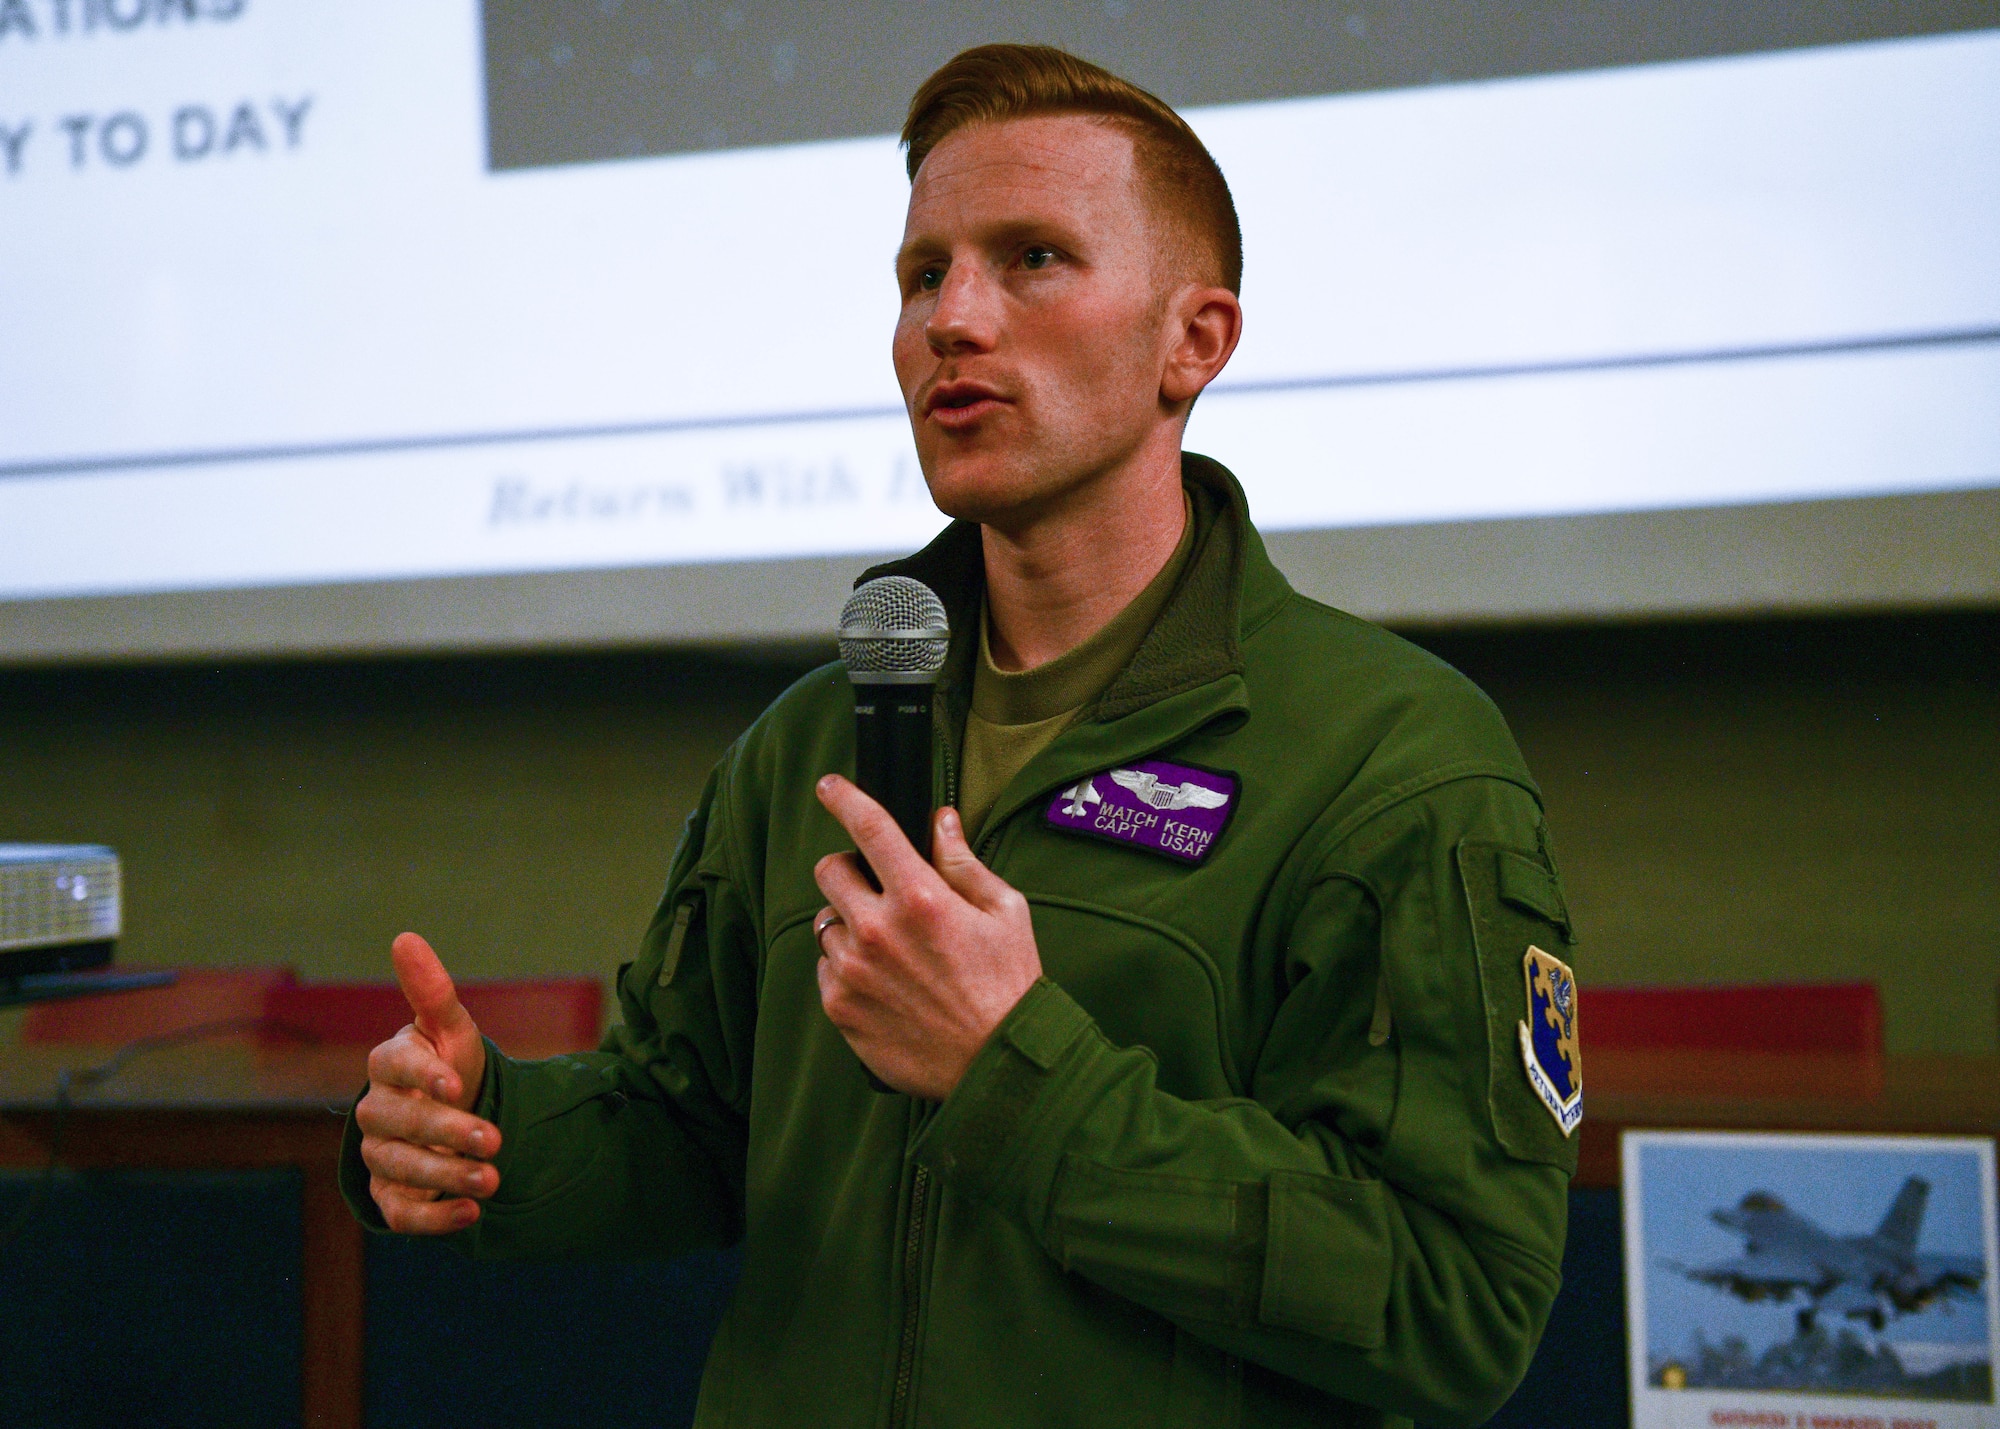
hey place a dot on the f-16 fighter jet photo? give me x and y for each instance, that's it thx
(1864, 1277)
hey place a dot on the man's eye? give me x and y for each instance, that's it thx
(1038, 257)
(931, 279)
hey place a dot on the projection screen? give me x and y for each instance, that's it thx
(390, 326)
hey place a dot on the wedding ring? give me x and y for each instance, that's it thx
(820, 924)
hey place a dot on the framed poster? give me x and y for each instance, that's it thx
(1810, 1282)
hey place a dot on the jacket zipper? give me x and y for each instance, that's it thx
(913, 1266)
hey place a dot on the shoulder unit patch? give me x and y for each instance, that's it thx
(1177, 810)
(1549, 1047)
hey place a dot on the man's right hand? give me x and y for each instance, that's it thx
(425, 1151)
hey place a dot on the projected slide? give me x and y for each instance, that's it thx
(296, 293)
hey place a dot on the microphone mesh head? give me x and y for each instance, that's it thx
(893, 630)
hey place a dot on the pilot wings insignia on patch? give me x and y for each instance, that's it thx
(1149, 790)
(1549, 1047)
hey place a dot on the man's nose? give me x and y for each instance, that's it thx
(966, 316)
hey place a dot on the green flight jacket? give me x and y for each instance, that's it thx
(1259, 1149)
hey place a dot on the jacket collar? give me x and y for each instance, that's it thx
(1229, 586)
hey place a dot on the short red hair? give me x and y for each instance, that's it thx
(991, 83)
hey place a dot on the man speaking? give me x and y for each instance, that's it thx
(1216, 1098)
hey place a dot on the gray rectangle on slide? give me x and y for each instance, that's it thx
(573, 81)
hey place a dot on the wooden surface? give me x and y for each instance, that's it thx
(234, 1073)
(220, 1074)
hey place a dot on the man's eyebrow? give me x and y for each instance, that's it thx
(998, 234)
(913, 249)
(1014, 230)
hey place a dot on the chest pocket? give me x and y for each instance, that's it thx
(1146, 985)
(1516, 904)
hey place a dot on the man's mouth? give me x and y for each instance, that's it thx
(959, 404)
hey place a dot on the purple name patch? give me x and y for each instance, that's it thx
(1164, 808)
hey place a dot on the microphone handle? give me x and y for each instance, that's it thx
(892, 765)
(892, 756)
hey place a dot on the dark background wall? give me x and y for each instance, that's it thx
(1759, 800)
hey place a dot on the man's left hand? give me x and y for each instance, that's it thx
(917, 976)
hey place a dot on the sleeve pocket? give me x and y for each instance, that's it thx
(1181, 1245)
(1514, 903)
(1327, 1258)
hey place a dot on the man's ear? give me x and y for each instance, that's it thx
(1207, 325)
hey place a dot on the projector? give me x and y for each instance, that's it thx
(58, 908)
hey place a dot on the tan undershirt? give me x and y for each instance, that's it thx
(1016, 714)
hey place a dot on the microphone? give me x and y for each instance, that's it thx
(893, 638)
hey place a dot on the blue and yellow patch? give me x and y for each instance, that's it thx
(1549, 1047)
